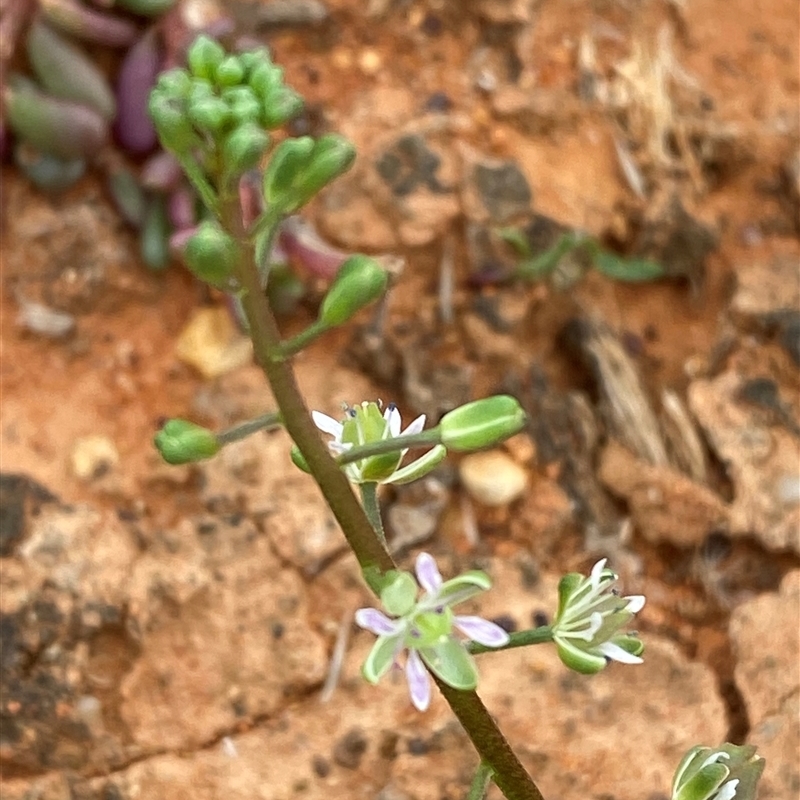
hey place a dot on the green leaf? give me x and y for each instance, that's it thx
(632, 270)
(517, 239)
(538, 267)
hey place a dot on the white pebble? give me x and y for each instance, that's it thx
(493, 478)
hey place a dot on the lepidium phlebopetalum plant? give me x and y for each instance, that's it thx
(220, 118)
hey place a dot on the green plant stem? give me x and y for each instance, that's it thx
(304, 338)
(250, 427)
(374, 559)
(359, 451)
(372, 508)
(198, 179)
(539, 635)
(372, 556)
(477, 789)
(507, 771)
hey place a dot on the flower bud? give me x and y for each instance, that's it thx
(279, 106)
(721, 773)
(204, 57)
(210, 254)
(482, 423)
(230, 72)
(182, 442)
(174, 83)
(243, 147)
(210, 114)
(285, 165)
(243, 103)
(359, 282)
(332, 156)
(174, 129)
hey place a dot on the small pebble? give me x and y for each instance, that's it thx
(45, 321)
(92, 457)
(492, 478)
(370, 62)
(348, 750)
(212, 344)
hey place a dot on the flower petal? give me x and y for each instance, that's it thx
(428, 575)
(377, 622)
(415, 427)
(419, 684)
(327, 424)
(635, 603)
(392, 417)
(597, 572)
(462, 587)
(616, 653)
(419, 467)
(481, 631)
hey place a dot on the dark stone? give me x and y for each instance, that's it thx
(320, 766)
(506, 622)
(409, 163)
(503, 189)
(418, 746)
(347, 752)
(20, 496)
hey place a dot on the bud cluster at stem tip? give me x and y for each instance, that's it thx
(223, 104)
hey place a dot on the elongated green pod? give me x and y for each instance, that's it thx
(154, 235)
(67, 72)
(89, 24)
(54, 126)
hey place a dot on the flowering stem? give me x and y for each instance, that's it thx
(244, 430)
(477, 789)
(372, 508)
(539, 635)
(373, 557)
(393, 445)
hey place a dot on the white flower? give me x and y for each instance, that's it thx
(590, 616)
(366, 424)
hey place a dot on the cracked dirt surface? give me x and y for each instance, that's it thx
(167, 632)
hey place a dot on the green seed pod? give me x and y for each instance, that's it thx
(129, 197)
(481, 423)
(210, 254)
(279, 106)
(332, 155)
(183, 442)
(58, 127)
(66, 72)
(244, 147)
(154, 235)
(204, 57)
(230, 72)
(285, 165)
(359, 281)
